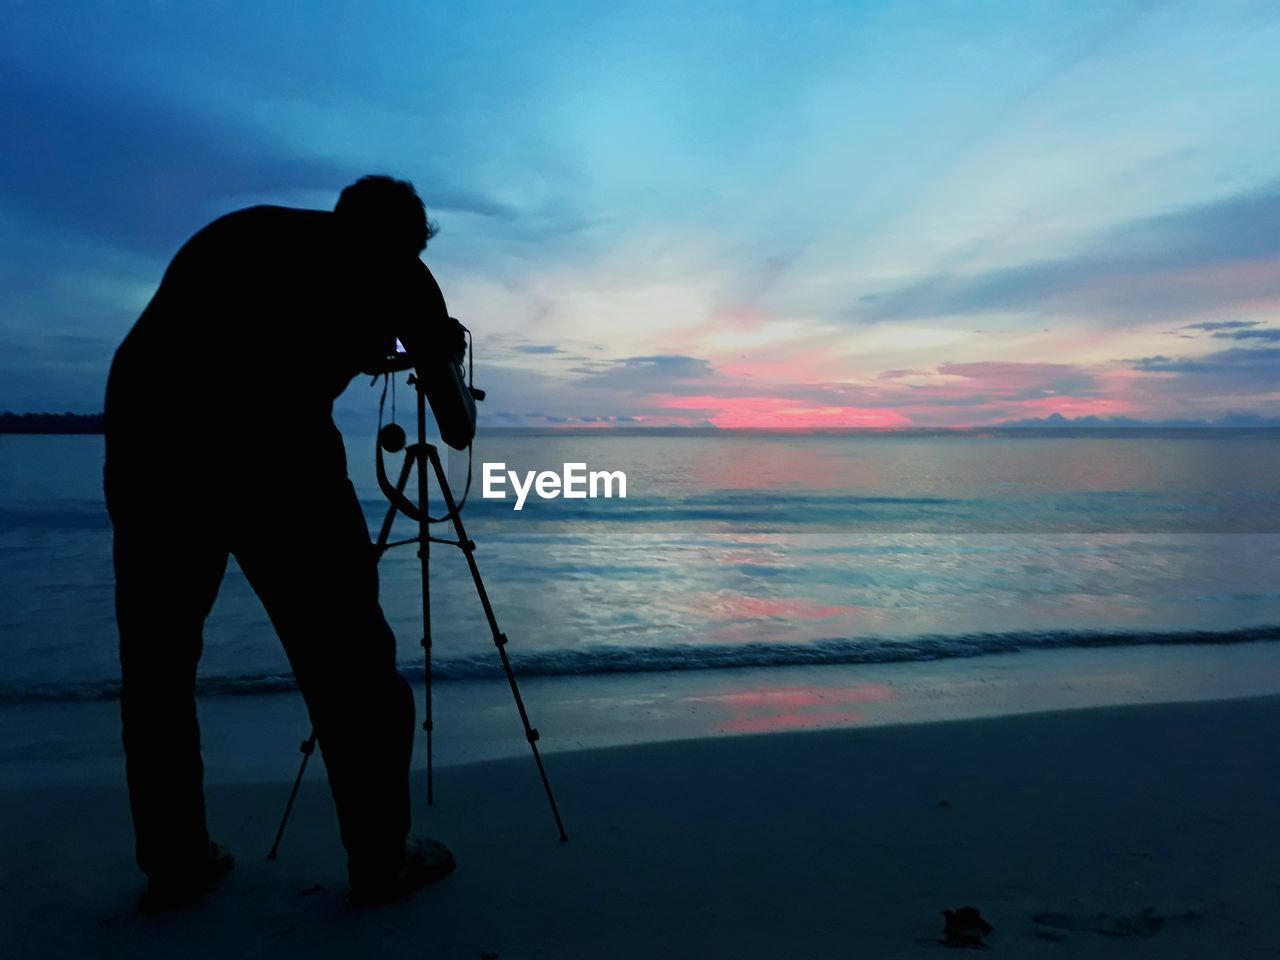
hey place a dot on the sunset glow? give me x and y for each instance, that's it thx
(759, 216)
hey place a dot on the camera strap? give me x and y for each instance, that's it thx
(389, 383)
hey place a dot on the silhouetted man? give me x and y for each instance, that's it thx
(220, 441)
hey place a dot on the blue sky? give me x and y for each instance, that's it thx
(750, 214)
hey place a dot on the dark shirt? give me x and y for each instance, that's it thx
(262, 319)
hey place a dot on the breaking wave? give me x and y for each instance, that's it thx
(624, 660)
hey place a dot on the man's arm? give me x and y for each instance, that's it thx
(421, 320)
(436, 346)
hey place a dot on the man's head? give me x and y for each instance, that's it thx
(386, 213)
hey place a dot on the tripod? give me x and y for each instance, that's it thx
(423, 455)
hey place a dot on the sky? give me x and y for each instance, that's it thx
(745, 214)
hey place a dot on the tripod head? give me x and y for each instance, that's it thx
(452, 403)
(452, 395)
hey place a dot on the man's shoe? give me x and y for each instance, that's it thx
(173, 889)
(425, 861)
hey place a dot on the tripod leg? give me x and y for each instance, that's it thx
(424, 546)
(413, 456)
(385, 533)
(499, 638)
(308, 747)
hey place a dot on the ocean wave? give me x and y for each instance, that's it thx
(1122, 511)
(1125, 511)
(72, 515)
(624, 660)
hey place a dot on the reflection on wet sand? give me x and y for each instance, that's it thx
(789, 708)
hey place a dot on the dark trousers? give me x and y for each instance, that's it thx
(303, 544)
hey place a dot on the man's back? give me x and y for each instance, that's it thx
(262, 317)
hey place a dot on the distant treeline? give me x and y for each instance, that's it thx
(50, 422)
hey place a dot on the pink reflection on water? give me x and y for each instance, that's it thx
(742, 607)
(790, 708)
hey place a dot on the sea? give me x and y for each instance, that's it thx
(730, 551)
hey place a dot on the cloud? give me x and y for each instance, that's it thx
(145, 174)
(459, 200)
(980, 383)
(1210, 325)
(1213, 254)
(1232, 419)
(712, 190)
(142, 174)
(1265, 334)
(1018, 381)
(946, 394)
(1237, 369)
(651, 374)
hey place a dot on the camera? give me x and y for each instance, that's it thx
(444, 381)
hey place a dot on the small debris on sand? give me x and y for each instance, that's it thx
(964, 927)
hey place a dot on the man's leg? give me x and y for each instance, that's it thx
(316, 573)
(168, 569)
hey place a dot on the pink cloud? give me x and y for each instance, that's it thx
(768, 412)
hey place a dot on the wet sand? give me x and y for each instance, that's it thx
(1143, 831)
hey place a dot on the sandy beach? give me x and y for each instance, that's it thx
(1143, 831)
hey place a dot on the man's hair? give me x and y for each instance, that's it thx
(389, 209)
